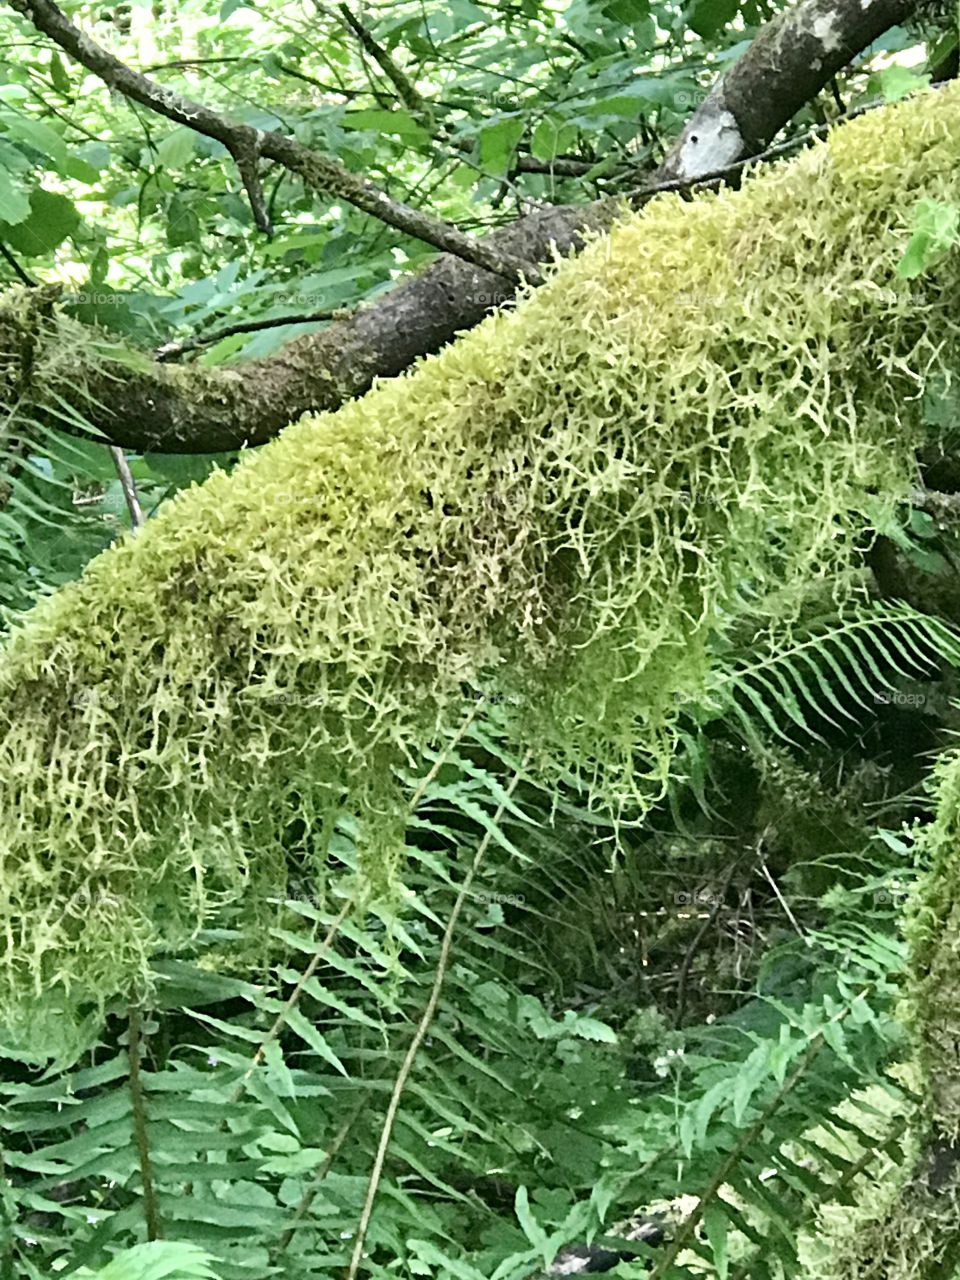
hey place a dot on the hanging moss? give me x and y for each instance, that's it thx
(690, 423)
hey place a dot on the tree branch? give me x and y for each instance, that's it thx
(199, 410)
(789, 62)
(247, 145)
(407, 91)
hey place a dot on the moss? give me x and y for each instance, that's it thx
(690, 423)
(934, 931)
(900, 1230)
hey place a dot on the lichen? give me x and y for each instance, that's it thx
(691, 423)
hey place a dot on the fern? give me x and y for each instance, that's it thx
(264, 1114)
(833, 672)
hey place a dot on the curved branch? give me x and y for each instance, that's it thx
(199, 410)
(789, 62)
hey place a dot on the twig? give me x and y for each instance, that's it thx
(170, 350)
(17, 269)
(140, 1125)
(698, 937)
(248, 145)
(407, 91)
(783, 902)
(129, 487)
(419, 1035)
(311, 968)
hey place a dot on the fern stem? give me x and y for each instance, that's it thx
(140, 1125)
(692, 1220)
(311, 1191)
(419, 1035)
(292, 999)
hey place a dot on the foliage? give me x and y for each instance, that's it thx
(537, 1114)
(555, 505)
(628, 513)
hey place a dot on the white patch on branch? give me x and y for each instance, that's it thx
(713, 142)
(825, 30)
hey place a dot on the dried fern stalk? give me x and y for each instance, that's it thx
(689, 424)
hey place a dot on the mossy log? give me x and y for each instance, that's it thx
(690, 424)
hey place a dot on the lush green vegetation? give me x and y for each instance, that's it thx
(515, 809)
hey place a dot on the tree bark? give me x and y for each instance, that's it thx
(790, 61)
(199, 410)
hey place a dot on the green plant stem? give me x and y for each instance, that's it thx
(140, 1125)
(423, 1027)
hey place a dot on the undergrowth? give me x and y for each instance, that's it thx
(572, 503)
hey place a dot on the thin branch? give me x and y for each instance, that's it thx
(419, 1036)
(409, 95)
(140, 1125)
(248, 145)
(155, 407)
(698, 937)
(714, 178)
(171, 350)
(407, 91)
(15, 265)
(783, 902)
(129, 487)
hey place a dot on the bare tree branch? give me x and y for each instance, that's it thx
(198, 410)
(248, 145)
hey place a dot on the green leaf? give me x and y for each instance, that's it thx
(14, 202)
(935, 225)
(428, 1253)
(715, 1226)
(707, 17)
(896, 82)
(177, 148)
(551, 138)
(397, 122)
(183, 224)
(52, 218)
(530, 1227)
(37, 136)
(498, 143)
(159, 1260)
(58, 74)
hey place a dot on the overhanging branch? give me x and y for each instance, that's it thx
(198, 410)
(248, 145)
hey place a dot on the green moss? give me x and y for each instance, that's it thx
(900, 1230)
(934, 931)
(689, 424)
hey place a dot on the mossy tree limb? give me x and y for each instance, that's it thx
(202, 410)
(573, 503)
